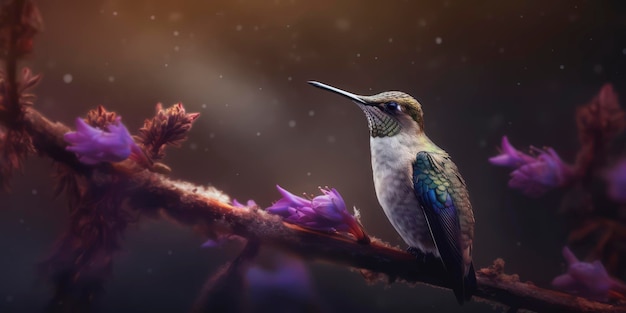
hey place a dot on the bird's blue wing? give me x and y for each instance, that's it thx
(435, 191)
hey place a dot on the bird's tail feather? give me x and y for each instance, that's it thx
(465, 288)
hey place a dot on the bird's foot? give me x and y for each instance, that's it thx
(419, 255)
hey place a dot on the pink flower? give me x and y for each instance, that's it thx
(93, 145)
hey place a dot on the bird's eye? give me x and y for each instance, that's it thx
(392, 106)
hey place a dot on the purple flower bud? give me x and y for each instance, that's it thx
(326, 212)
(616, 180)
(93, 145)
(249, 204)
(510, 156)
(585, 279)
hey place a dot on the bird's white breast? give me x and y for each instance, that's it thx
(392, 165)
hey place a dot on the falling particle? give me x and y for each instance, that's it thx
(256, 28)
(422, 22)
(342, 24)
(260, 88)
(34, 192)
(67, 78)
(170, 252)
(331, 139)
(289, 78)
(166, 65)
(390, 40)
(152, 17)
(258, 134)
(438, 40)
(501, 50)
(114, 13)
(562, 66)
(226, 105)
(482, 143)
(624, 51)
(288, 26)
(311, 113)
(193, 146)
(176, 33)
(149, 271)
(308, 173)
(204, 105)
(518, 243)
(9, 298)
(22, 221)
(518, 83)
(358, 55)
(239, 28)
(598, 69)
(292, 123)
(176, 48)
(375, 58)
(221, 76)
(212, 135)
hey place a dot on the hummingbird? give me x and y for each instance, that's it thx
(418, 185)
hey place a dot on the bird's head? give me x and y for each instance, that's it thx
(388, 113)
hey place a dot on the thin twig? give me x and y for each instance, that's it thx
(222, 292)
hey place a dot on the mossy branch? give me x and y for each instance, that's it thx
(208, 209)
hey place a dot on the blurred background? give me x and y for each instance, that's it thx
(480, 70)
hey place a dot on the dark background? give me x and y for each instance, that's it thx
(481, 69)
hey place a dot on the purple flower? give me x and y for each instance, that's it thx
(616, 179)
(510, 156)
(533, 176)
(283, 286)
(93, 145)
(218, 240)
(249, 204)
(588, 280)
(326, 212)
(542, 174)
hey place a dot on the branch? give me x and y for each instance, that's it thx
(221, 293)
(207, 208)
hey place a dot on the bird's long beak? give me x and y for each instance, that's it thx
(349, 95)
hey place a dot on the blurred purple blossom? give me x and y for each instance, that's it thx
(286, 286)
(93, 145)
(219, 239)
(533, 176)
(326, 212)
(584, 279)
(616, 179)
(510, 156)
